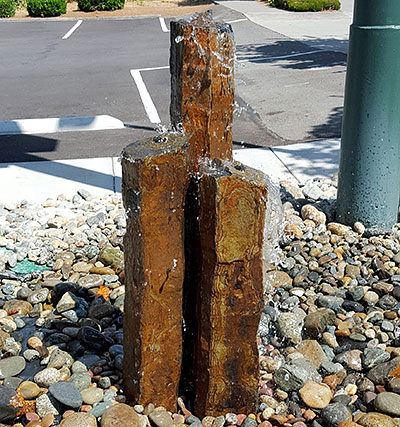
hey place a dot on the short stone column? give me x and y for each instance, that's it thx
(230, 288)
(155, 180)
(202, 86)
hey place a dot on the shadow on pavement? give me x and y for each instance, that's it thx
(18, 148)
(293, 54)
(320, 158)
(332, 128)
(19, 151)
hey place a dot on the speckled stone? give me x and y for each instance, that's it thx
(80, 419)
(47, 377)
(46, 404)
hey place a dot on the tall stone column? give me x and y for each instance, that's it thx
(230, 288)
(154, 185)
(202, 86)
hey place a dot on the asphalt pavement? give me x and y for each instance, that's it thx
(287, 90)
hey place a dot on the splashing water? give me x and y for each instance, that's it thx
(273, 230)
(272, 257)
(239, 108)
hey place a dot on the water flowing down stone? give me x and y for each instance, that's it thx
(154, 187)
(202, 86)
(188, 203)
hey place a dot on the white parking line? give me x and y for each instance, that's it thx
(72, 29)
(153, 68)
(163, 25)
(63, 124)
(148, 103)
(237, 20)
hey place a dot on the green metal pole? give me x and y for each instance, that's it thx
(369, 172)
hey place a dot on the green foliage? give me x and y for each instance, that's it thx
(21, 4)
(45, 8)
(91, 5)
(7, 8)
(86, 5)
(111, 4)
(306, 5)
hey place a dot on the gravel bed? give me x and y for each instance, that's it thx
(329, 336)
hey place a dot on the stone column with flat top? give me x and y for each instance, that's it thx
(202, 86)
(230, 288)
(155, 180)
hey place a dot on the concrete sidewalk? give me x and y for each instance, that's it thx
(37, 181)
(321, 30)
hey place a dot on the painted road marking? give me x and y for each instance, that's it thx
(148, 103)
(152, 68)
(292, 55)
(67, 35)
(63, 124)
(237, 20)
(163, 25)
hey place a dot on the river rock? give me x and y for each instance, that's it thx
(113, 257)
(38, 296)
(98, 311)
(291, 324)
(374, 419)
(94, 339)
(92, 395)
(29, 390)
(351, 359)
(309, 367)
(388, 403)
(279, 278)
(80, 419)
(18, 306)
(67, 394)
(374, 356)
(312, 351)
(91, 281)
(47, 377)
(314, 214)
(7, 412)
(11, 366)
(161, 418)
(101, 407)
(315, 395)
(394, 385)
(316, 322)
(339, 229)
(381, 372)
(335, 413)
(46, 404)
(67, 302)
(120, 415)
(81, 380)
(290, 377)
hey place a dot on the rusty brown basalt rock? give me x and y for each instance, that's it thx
(154, 185)
(232, 212)
(202, 86)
